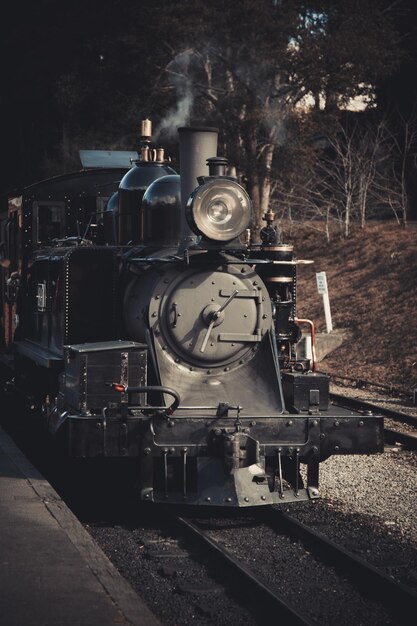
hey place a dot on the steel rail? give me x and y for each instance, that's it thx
(408, 440)
(371, 580)
(270, 598)
(357, 403)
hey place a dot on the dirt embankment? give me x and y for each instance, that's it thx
(372, 280)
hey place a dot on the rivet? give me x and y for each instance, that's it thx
(228, 500)
(246, 499)
(361, 423)
(289, 423)
(208, 499)
(147, 451)
(336, 448)
(263, 497)
(253, 423)
(337, 423)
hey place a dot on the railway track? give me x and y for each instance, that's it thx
(392, 435)
(365, 578)
(245, 579)
(372, 581)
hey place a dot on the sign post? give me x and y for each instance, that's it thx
(322, 289)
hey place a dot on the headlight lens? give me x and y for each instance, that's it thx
(220, 210)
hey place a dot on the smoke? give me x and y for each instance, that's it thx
(179, 78)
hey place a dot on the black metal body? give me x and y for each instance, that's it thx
(139, 339)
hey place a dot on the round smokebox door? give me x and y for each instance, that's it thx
(212, 317)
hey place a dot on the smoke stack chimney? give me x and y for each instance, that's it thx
(197, 145)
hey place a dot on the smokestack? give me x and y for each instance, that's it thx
(197, 144)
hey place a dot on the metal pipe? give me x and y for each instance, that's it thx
(298, 320)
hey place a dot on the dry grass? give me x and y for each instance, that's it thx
(372, 279)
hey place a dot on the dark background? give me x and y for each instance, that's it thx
(82, 75)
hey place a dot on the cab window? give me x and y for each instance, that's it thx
(48, 221)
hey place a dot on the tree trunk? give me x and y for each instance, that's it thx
(268, 156)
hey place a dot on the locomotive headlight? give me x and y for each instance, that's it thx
(219, 210)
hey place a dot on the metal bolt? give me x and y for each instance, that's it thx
(246, 499)
(336, 448)
(322, 435)
(172, 450)
(289, 423)
(208, 499)
(315, 449)
(337, 423)
(147, 451)
(228, 499)
(263, 497)
(361, 423)
(253, 423)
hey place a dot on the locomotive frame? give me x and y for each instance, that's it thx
(142, 321)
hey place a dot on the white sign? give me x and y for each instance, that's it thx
(322, 289)
(321, 282)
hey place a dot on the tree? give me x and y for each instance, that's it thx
(252, 63)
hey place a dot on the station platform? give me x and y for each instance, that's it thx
(51, 570)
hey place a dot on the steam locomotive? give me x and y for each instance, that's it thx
(141, 321)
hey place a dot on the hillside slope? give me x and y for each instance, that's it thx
(372, 279)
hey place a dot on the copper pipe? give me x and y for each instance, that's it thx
(297, 320)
